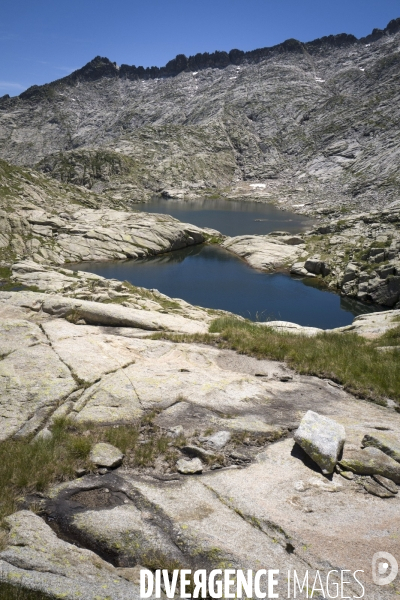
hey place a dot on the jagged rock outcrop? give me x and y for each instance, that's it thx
(359, 255)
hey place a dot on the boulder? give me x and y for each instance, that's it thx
(388, 443)
(350, 273)
(322, 439)
(372, 461)
(189, 467)
(106, 455)
(386, 292)
(314, 265)
(298, 269)
(44, 435)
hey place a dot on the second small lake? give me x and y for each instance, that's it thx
(230, 217)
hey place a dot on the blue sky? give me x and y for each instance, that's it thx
(43, 40)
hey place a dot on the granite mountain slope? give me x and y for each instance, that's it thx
(316, 122)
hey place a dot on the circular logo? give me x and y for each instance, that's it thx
(384, 568)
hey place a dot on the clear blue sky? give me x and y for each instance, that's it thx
(43, 40)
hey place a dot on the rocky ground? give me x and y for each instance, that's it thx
(229, 488)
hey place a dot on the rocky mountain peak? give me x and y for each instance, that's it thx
(101, 67)
(97, 68)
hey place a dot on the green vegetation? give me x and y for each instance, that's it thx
(28, 466)
(390, 338)
(5, 273)
(348, 359)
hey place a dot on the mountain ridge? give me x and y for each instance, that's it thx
(100, 67)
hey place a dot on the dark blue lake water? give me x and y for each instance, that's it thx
(230, 217)
(212, 277)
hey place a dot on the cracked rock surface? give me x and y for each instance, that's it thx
(259, 499)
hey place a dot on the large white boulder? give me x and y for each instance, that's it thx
(322, 439)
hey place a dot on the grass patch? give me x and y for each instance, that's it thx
(347, 359)
(5, 273)
(390, 338)
(32, 466)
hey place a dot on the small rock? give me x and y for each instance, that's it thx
(375, 489)
(80, 472)
(175, 431)
(239, 456)
(300, 486)
(194, 451)
(347, 474)
(218, 440)
(189, 467)
(102, 471)
(322, 439)
(387, 442)
(43, 436)
(106, 455)
(386, 483)
(325, 485)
